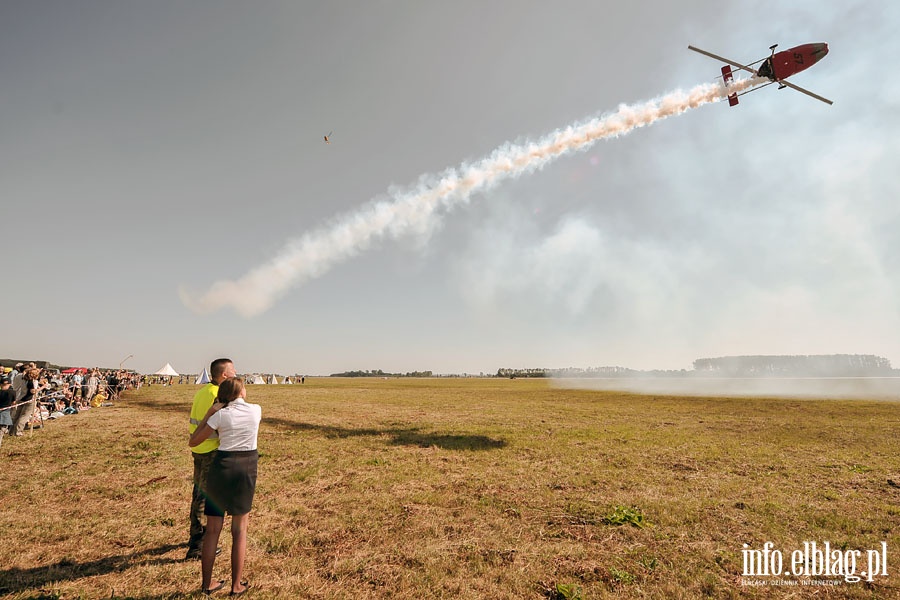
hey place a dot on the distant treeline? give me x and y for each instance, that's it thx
(380, 373)
(41, 364)
(826, 365)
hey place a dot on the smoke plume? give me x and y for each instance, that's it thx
(415, 210)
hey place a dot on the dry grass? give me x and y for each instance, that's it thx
(457, 489)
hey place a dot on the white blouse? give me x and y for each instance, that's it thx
(237, 424)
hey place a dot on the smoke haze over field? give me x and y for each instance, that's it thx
(863, 388)
(150, 147)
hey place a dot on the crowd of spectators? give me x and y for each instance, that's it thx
(37, 395)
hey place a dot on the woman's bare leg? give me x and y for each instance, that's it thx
(208, 548)
(239, 525)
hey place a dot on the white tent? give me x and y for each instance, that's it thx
(257, 380)
(167, 370)
(204, 376)
(272, 380)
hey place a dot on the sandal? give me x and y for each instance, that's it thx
(215, 588)
(246, 585)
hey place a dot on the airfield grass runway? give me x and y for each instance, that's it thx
(460, 488)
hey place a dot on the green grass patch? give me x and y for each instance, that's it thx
(625, 515)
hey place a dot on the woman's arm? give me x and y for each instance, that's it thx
(200, 435)
(203, 430)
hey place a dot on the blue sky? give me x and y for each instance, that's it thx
(149, 148)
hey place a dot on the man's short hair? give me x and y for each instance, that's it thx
(217, 367)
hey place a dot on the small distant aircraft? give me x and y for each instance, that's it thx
(328, 137)
(777, 67)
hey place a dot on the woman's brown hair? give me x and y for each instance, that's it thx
(229, 390)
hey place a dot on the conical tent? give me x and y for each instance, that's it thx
(257, 380)
(204, 377)
(272, 380)
(167, 370)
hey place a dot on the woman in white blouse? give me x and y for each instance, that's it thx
(232, 478)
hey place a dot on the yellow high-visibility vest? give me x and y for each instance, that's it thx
(202, 401)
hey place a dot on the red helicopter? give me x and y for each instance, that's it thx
(777, 67)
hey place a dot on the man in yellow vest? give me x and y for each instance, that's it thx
(219, 370)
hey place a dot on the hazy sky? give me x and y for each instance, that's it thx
(153, 147)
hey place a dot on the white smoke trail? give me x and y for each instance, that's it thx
(413, 211)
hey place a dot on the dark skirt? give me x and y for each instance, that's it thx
(231, 483)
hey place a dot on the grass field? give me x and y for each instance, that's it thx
(460, 488)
